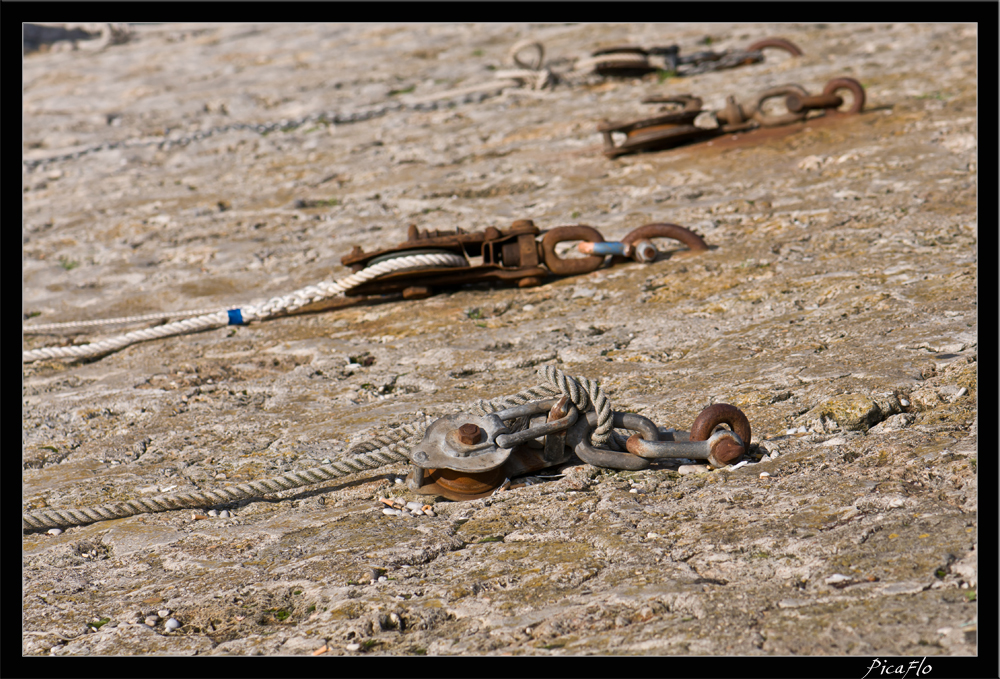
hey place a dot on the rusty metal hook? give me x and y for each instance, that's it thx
(851, 85)
(693, 241)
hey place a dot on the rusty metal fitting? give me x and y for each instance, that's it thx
(693, 241)
(726, 447)
(644, 251)
(569, 267)
(470, 434)
(441, 447)
(796, 103)
(578, 438)
(852, 86)
(733, 113)
(525, 435)
(716, 415)
(559, 410)
(778, 43)
(771, 120)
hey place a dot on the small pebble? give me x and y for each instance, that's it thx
(172, 624)
(414, 505)
(55, 531)
(837, 579)
(163, 612)
(220, 477)
(903, 402)
(429, 512)
(652, 536)
(353, 647)
(417, 512)
(692, 469)
(213, 512)
(383, 578)
(398, 480)
(224, 514)
(151, 621)
(405, 514)
(764, 475)
(389, 511)
(634, 490)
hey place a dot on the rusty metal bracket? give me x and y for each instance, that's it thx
(677, 127)
(668, 58)
(507, 255)
(510, 255)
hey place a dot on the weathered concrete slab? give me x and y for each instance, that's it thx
(837, 308)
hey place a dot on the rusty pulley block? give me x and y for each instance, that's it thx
(466, 456)
(676, 125)
(509, 255)
(629, 61)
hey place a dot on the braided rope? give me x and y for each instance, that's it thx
(37, 329)
(55, 518)
(387, 448)
(272, 307)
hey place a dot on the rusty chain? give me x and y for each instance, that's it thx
(677, 125)
(623, 61)
(465, 456)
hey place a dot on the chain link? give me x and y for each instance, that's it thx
(285, 124)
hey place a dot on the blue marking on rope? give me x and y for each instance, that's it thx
(235, 317)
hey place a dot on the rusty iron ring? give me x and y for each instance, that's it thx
(722, 413)
(570, 267)
(854, 87)
(658, 230)
(785, 118)
(779, 43)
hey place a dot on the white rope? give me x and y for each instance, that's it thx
(46, 327)
(217, 319)
(389, 448)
